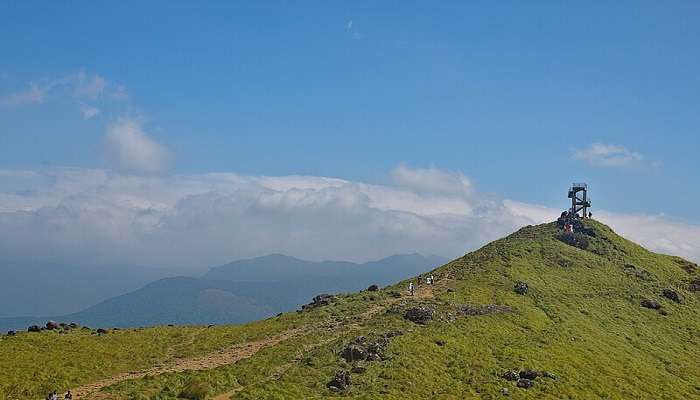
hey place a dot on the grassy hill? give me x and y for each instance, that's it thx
(580, 331)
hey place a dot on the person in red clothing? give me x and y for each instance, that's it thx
(568, 228)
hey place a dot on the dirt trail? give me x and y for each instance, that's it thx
(233, 354)
(223, 357)
(422, 292)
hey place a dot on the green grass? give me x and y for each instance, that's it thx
(580, 320)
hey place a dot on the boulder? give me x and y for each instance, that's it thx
(511, 375)
(419, 315)
(520, 288)
(574, 239)
(319, 301)
(528, 374)
(671, 295)
(340, 381)
(51, 325)
(354, 352)
(650, 303)
(376, 349)
(11, 333)
(373, 288)
(440, 342)
(102, 331)
(525, 383)
(34, 328)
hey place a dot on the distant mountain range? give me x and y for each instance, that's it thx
(238, 292)
(34, 288)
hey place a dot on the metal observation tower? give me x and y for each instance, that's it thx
(579, 199)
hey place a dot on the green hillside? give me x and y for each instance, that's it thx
(580, 331)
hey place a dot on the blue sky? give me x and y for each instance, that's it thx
(521, 98)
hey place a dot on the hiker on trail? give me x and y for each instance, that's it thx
(411, 288)
(568, 228)
(432, 279)
(53, 396)
(68, 396)
(590, 214)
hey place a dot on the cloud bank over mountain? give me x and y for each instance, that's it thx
(100, 216)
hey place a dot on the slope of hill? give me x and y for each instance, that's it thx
(528, 316)
(239, 292)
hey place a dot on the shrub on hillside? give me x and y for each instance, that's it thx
(195, 390)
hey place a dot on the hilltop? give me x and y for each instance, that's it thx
(530, 316)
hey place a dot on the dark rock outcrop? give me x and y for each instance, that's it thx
(511, 375)
(340, 381)
(319, 301)
(11, 333)
(671, 295)
(650, 303)
(373, 288)
(102, 331)
(34, 328)
(574, 239)
(529, 374)
(354, 352)
(525, 383)
(51, 325)
(521, 288)
(362, 349)
(419, 315)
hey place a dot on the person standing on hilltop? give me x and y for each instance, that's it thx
(411, 288)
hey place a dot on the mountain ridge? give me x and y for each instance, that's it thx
(281, 283)
(534, 315)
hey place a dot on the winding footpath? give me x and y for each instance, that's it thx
(232, 355)
(220, 358)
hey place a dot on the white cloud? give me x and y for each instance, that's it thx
(607, 155)
(79, 86)
(33, 95)
(88, 111)
(85, 86)
(132, 149)
(87, 216)
(431, 180)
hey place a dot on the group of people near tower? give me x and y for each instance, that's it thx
(569, 221)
